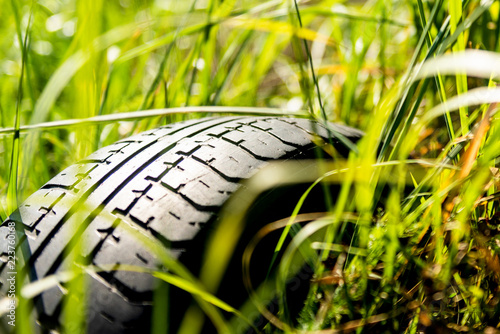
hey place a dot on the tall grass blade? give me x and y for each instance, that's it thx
(461, 80)
(14, 161)
(398, 114)
(144, 114)
(311, 66)
(438, 79)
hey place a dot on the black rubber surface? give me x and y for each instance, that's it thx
(169, 183)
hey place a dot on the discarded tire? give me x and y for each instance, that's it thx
(168, 184)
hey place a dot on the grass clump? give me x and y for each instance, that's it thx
(412, 242)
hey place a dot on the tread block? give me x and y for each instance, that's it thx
(71, 176)
(209, 189)
(117, 249)
(42, 205)
(139, 212)
(109, 312)
(160, 167)
(288, 135)
(234, 164)
(316, 128)
(219, 131)
(180, 220)
(97, 232)
(50, 220)
(50, 299)
(127, 198)
(259, 143)
(187, 170)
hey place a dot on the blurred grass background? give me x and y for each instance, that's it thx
(87, 58)
(429, 261)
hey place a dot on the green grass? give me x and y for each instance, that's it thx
(79, 75)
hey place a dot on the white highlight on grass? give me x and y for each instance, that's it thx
(113, 53)
(69, 28)
(174, 6)
(54, 23)
(476, 63)
(339, 8)
(10, 67)
(199, 63)
(476, 96)
(43, 48)
(359, 45)
(295, 104)
(15, 41)
(196, 89)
